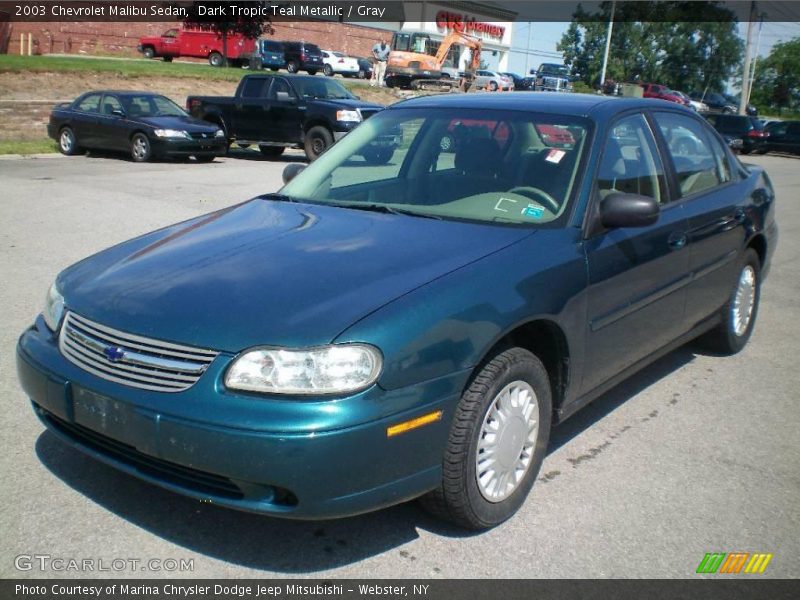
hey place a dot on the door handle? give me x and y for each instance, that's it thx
(677, 240)
(739, 215)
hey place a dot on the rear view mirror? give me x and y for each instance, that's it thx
(291, 171)
(628, 210)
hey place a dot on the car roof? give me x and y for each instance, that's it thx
(584, 105)
(123, 93)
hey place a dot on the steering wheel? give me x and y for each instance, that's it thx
(540, 196)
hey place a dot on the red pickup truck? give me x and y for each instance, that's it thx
(197, 43)
(662, 92)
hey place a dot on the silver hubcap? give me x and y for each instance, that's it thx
(139, 147)
(507, 441)
(743, 301)
(66, 141)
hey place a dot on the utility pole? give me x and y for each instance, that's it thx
(608, 45)
(747, 54)
(755, 58)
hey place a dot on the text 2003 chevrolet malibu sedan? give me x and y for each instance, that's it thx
(376, 333)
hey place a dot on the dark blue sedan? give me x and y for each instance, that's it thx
(146, 125)
(376, 333)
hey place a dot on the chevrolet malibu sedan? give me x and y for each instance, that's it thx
(376, 333)
(145, 125)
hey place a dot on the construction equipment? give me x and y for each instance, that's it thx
(413, 64)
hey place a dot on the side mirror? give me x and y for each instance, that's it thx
(283, 97)
(118, 113)
(291, 171)
(628, 210)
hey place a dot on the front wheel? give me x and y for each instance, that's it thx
(328, 70)
(291, 66)
(318, 140)
(67, 143)
(215, 59)
(140, 148)
(498, 439)
(148, 53)
(739, 313)
(378, 156)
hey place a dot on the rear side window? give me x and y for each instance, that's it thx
(273, 46)
(90, 103)
(312, 49)
(700, 161)
(253, 87)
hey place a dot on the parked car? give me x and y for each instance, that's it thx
(279, 111)
(370, 334)
(661, 92)
(364, 68)
(197, 43)
(750, 110)
(716, 102)
(336, 62)
(302, 56)
(552, 77)
(146, 125)
(521, 83)
(694, 104)
(748, 129)
(492, 80)
(268, 54)
(782, 136)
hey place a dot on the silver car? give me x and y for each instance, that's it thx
(493, 81)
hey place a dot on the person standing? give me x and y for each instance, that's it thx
(380, 52)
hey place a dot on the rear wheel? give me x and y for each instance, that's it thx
(497, 442)
(205, 158)
(140, 148)
(739, 313)
(328, 70)
(291, 66)
(378, 156)
(311, 71)
(67, 143)
(271, 151)
(148, 53)
(215, 59)
(318, 139)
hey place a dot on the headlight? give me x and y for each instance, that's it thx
(334, 369)
(348, 115)
(219, 133)
(171, 133)
(53, 308)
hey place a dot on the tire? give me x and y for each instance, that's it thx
(167, 58)
(141, 151)
(745, 151)
(291, 66)
(311, 71)
(205, 158)
(67, 142)
(461, 498)
(148, 52)
(730, 336)
(362, 74)
(328, 70)
(378, 156)
(271, 151)
(215, 59)
(318, 140)
(493, 86)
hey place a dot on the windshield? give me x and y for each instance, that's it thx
(554, 70)
(489, 166)
(321, 88)
(151, 106)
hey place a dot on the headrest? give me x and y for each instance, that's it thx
(478, 156)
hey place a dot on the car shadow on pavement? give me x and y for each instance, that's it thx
(266, 543)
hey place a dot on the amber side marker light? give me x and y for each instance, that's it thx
(413, 423)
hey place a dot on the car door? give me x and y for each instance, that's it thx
(111, 128)
(252, 111)
(637, 276)
(714, 205)
(85, 120)
(287, 111)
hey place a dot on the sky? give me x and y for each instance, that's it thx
(535, 43)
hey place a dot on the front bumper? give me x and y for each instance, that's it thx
(184, 147)
(289, 458)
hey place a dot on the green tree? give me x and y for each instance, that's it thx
(656, 42)
(777, 82)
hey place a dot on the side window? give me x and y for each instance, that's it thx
(630, 162)
(253, 87)
(90, 103)
(279, 85)
(110, 104)
(697, 163)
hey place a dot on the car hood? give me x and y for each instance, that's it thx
(352, 103)
(182, 123)
(269, 272)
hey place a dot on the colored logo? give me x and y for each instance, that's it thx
(734, 562)
(114, 353)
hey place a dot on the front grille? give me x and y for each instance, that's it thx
(204, 135)
(186, 477)
(129, 359)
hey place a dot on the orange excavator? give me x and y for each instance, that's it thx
(413, 64)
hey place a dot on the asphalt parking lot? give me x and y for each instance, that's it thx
(695, 454)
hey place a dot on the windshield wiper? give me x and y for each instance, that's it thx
(278, 197)
(392, 210)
